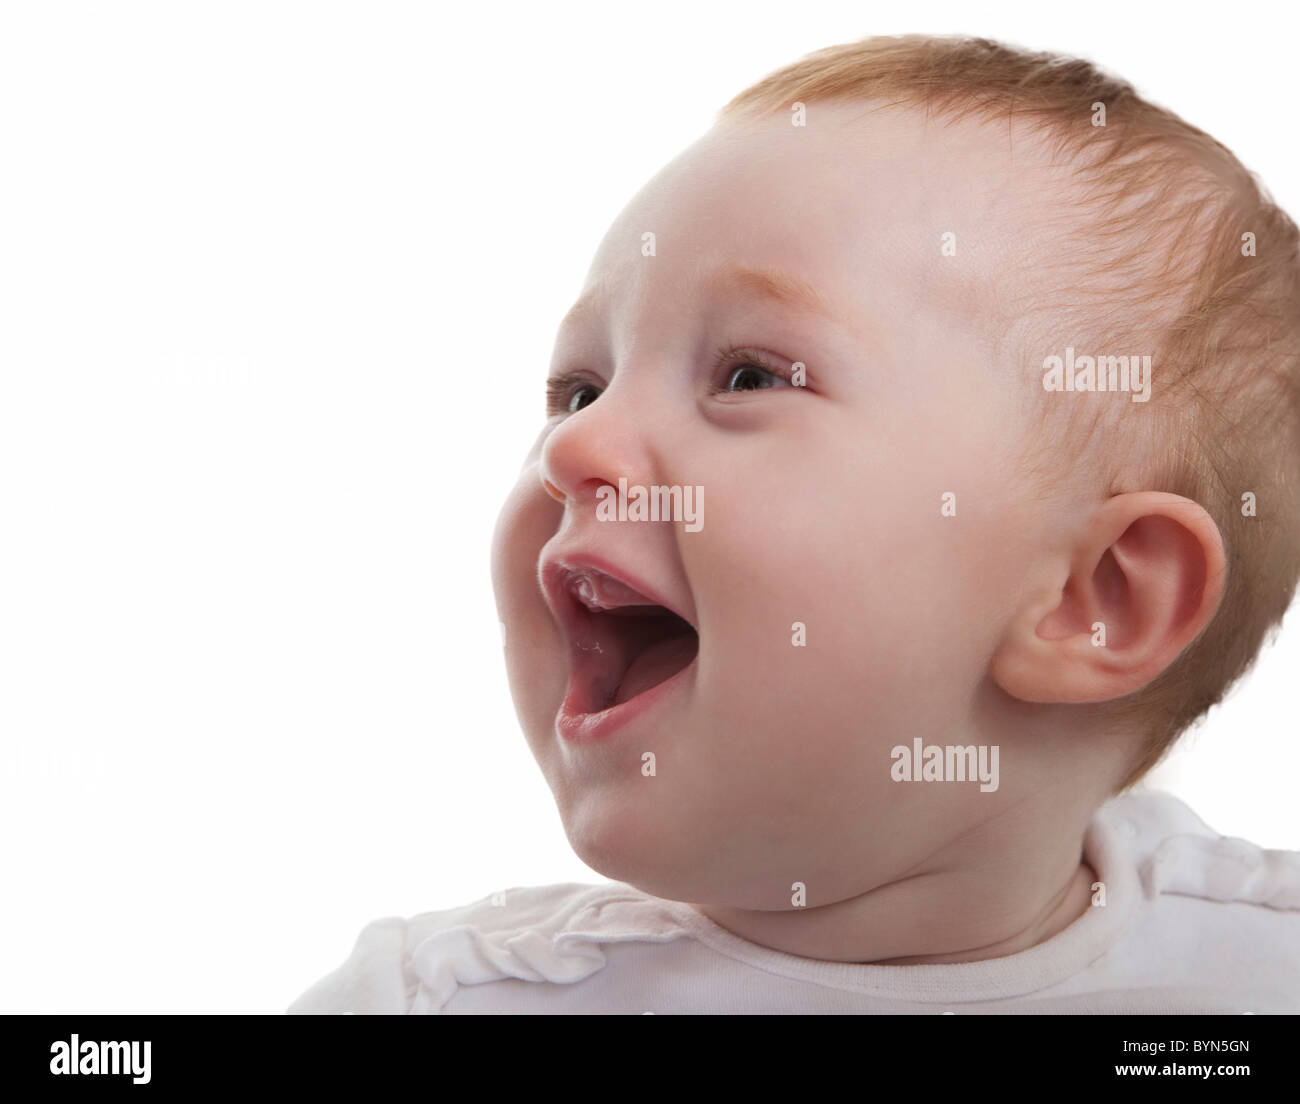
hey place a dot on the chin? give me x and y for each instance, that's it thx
(641, 844)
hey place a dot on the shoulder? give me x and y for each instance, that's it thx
(1219, 912)
(533, 933)
(369, 980)
(1179, 854)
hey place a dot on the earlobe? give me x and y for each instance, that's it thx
(1145, 577)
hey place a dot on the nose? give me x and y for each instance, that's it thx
(595, 446)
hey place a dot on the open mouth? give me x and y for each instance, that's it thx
(622, 643)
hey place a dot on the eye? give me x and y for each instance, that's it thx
(584, 395)
(749, 377)
(744, 370)
(569, 393)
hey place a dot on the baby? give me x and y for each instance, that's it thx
(1022, 504)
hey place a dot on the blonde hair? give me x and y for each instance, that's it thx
(1166, 213)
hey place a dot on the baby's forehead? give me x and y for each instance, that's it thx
(896, 164)
(874, 201)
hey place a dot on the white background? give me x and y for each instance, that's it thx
(278, 286)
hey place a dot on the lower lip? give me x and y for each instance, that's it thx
(585, 728)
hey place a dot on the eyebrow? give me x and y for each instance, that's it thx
(768, 284)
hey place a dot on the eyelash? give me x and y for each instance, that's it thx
(731, 357)
(559, 390)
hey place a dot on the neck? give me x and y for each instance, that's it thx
(986, 897)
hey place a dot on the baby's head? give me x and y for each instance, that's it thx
(930, 533)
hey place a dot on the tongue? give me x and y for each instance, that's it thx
(656, 664)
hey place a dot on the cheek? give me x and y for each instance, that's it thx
(833, 605)
(533, 643)
(528, 519)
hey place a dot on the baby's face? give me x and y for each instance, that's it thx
(822, 506)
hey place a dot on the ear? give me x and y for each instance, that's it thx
(1150, 568)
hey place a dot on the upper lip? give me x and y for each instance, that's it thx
(558, 569)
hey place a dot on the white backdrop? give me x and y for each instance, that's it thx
(278, 286)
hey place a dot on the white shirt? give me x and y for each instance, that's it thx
(1193, 922)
